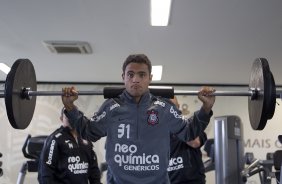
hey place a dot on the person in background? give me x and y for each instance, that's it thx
(138, 125)
(66, 158)
(186, 165)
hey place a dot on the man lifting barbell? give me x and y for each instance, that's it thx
(138, 125)
(20, 93)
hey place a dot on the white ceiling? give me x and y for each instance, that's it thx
(207, 41)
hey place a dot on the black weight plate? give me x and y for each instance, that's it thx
(260, 80)
(20, 110)
(272, 97)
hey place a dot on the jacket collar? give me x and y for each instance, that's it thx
(144, 98)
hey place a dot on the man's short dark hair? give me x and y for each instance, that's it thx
(137, 58)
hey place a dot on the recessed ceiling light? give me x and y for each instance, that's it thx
(157, 72)
(4, 68)
(160, 12)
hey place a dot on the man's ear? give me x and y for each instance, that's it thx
(151, 77)
(122, 75)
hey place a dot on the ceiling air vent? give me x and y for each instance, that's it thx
(68, 47)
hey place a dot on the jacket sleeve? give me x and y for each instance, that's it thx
(48, 162)
(185, 128)
(94, 174)
(90, 128)
(203, 138)
(199, 122)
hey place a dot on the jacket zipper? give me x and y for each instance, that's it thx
(137, 122)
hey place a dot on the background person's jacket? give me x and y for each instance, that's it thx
(186, 165)
(67, 161)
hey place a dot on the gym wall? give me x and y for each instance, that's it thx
(46, 120)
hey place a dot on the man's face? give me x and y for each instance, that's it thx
(136, 78)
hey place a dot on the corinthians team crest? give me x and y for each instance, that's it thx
(153, 117)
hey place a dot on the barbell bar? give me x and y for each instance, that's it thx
(27, 93)
(251, 93)
(21, 91)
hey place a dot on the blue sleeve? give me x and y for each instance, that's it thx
(203, 138)
(90, 128)
(188, 129)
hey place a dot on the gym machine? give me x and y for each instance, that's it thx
(264, 167)
(209, 164)
(261, 167)
(31, 149)
(229, 150)
(1, 170)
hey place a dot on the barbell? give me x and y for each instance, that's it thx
(21, 91)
